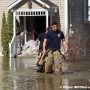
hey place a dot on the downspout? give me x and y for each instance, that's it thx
(66, 18)
(46, 20)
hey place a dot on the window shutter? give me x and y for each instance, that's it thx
(86, 11)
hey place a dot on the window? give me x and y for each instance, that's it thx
(86, 11)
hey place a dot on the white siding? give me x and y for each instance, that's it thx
(60, 4)
(35, 6)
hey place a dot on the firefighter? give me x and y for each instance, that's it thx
(54, 37)
(40, 62)
(41, 55)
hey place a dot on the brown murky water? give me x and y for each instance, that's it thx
(20, 74)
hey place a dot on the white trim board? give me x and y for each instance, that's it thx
(14, 4)
(18, 1)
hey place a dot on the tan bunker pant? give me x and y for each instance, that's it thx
(54, 58)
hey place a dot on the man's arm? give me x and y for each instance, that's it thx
(65, 46)
(44, 45)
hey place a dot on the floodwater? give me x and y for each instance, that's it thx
(20, 74)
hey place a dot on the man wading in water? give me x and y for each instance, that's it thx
(54, 37)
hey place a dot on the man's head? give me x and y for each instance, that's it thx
(54, 26)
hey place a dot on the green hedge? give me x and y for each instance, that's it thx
(6, 32)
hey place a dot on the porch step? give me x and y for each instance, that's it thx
(27, 56)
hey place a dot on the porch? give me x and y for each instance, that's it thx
(29, 20)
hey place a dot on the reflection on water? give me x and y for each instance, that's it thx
(22, 75)
(5, 74)
(5, 64)
(49, 82)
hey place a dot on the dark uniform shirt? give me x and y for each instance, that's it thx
(41, 39)
(54, 39)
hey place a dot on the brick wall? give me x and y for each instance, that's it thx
(79, 41)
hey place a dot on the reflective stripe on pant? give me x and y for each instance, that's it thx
(53, 57)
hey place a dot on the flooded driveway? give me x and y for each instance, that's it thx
(20, 74)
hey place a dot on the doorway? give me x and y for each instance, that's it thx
(35, 24)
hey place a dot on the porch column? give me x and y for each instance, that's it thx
(46, 20)
(12, 44)
(14, 24)
(25, 30)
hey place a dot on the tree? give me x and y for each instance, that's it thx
(4, 35)
(9, 26)
(6, 32)
(9, 29)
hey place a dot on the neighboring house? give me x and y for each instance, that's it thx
(79, 29)
(71, 15)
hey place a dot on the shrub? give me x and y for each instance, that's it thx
(6, 32)
(9, 26)
(4, 35)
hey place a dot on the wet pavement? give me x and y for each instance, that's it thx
(20, 74)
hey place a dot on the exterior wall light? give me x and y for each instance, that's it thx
(55, 10)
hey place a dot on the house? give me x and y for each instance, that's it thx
(72, 16)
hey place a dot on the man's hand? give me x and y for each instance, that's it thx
(44, 51)
(44, 45)
(65, 46)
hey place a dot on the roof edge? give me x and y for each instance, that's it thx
(14, 4)
(18, 1)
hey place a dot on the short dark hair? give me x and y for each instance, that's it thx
(54, 23)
